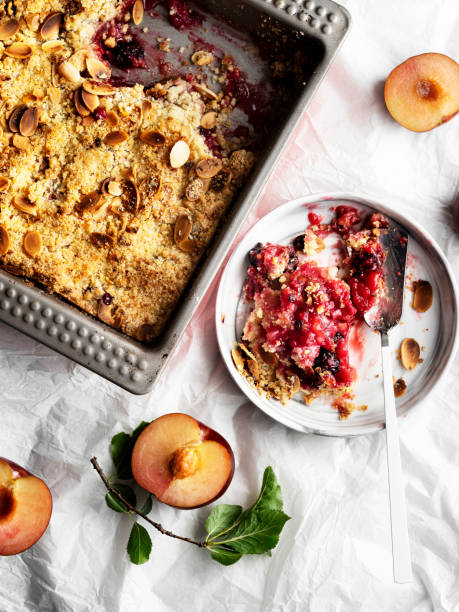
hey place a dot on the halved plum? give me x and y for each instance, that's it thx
(182, 462)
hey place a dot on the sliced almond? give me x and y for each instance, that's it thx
(195, 190)
(151, 187)
(423, 296)
(33, 22)
(91, 101)
(97, 69)
(209, 120)
(221, 180)
(268, 357)
(137, 12)
(399, 387)
(115, 138)
(188, 246)
(111, 187)
(98, 88)
(112, 119)
(4, 241)
(52, 46)
(15, 118)
(208, 168)
(182, 228)
(202, 58)
(101, 241)
(155, 139)
(81, 108)
(105, 312)
(4, 182)
(146, 333)
(89, 202)
(294, 382)
(51, 26)
(179, 155)
(21, 142)
(32, 243)
(205, 91)
(29, 122)
(23, 204)
(8, 29)
(68, 71)
(409, 353)
(19, 50)
(238, 359)
(130, 196)
(89, 120)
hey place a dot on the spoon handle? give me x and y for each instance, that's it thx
(400, 541)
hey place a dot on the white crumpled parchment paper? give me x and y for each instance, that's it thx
(335, 553)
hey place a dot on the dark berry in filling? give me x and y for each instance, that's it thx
(298, 243)
(326, 360)
(128, 54)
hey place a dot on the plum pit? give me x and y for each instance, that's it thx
(6, 502)
(428, 90)
(184, 462)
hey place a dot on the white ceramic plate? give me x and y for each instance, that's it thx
(435, 330)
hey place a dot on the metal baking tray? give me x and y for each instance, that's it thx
(316, 28)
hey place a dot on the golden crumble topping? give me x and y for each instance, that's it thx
(108, 196)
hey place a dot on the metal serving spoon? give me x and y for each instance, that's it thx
(382, 318)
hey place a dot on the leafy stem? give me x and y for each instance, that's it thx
(131, 508)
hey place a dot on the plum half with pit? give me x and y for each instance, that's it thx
(423, 91)
(183, 462)
(25, 508)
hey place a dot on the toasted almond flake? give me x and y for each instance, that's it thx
(152, 138)
(202, 58)
(8, 29)
(205, 91)
(79, 105)
(21, 142)
(19, 50)
(146, 333)
(238, 359)
(112, 119)
(68, 71)
(410, 353)
(188, 246)
(253, 368)
(221, 180)
(91, 101)
(32, 243)
(151, 186)
(195, 189)
(23, 204)
(51, 26)
(97, 69)
(98, 88)
(4, 182)
(137, 12)
(422, 296)
(114, 188)
(15, 117)
(105, 312)
(269, 358)
(182, 228)
(33, 22)
(130, 195)
(209, 120)
(208, 168)
(89, 120)
(101, 241)
(52, 46)
(179, 154)
(4, 240)
(115, 138)
(89, 202)
(295, 383)
(29, 122)
(399, 387)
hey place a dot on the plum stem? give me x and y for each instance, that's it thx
(157, 526)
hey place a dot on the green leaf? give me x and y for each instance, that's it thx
(121, 448)
(222, 518)
(115, 504)
(147, 506)
(270, 497)
(139, 545)
(257, 533)
(224, 555)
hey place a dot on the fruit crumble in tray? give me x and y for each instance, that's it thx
(119, 152)
(296, 336)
